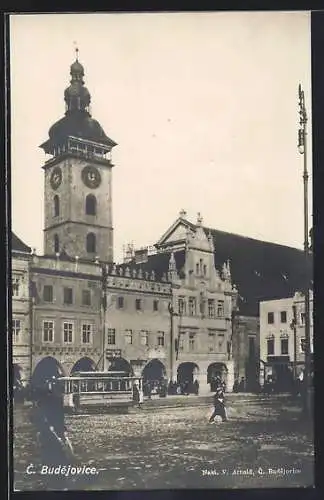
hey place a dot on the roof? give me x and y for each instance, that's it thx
(77, 124)
(260, 270)
(18, 245)
(159, 263)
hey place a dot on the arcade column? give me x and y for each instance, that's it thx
(204, 387)
(230, 376)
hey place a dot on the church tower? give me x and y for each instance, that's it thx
(78, 175)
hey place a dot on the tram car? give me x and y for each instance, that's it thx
(99, 391)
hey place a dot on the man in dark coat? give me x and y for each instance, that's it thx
(219, 406)
(48, 420)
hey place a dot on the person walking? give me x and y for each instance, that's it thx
(136, 395)
(51, 433)
(219, 406)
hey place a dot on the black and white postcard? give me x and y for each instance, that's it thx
(161, 250)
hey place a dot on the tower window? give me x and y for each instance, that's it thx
(91, 243)
(56, 206)
(56, 243)
(91, 205)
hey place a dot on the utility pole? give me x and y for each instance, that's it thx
(302, 147)
(103, 308)
(171, 311)
(294, 328)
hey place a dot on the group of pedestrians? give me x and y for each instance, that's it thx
(183, 388)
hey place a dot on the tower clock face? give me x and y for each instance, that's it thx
(91, 177)
(56, 177)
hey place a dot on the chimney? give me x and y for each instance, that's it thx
(141, 255)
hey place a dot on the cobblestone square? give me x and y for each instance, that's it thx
(170, 444)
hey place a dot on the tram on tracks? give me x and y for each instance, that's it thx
(100, 390)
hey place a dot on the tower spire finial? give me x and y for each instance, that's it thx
(76, 49)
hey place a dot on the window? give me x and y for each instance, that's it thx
(111, 336)
(220, 308)
(87, 330)
(211, 308)
(48, 331)
(197, 269)
(91, 243)
(68, 296)
(138, 304)
(211, 341)
(302, 318)
(283, 317)
(205, 270)
(67, 333)
(270, 318)
(128, 336)
(48, 293)
(191, 341)
(120, 302)
(16, 327)
(91, 205)
(302, 345)
(56, 206)
(144, 337)
(86, 297)
(221, 339)
(160, 339)
(181, 305)
(155, 305)
(270, 347)
(15, 287)
(284, 346)
(56, 243)
(192, 306)
(251, 347)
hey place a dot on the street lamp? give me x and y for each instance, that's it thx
(171, 311)
(302, 148)
(103, 309)
(293, 326)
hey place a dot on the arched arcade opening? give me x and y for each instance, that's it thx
(120, 365)
(154, 371)
(47, 369)
(84, 364)
(187, 372)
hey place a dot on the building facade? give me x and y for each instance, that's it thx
(21, 333)
(282, 339)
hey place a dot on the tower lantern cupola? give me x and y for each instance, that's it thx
(76, 96)
(77, 131)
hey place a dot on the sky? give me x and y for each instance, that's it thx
(203, 106)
